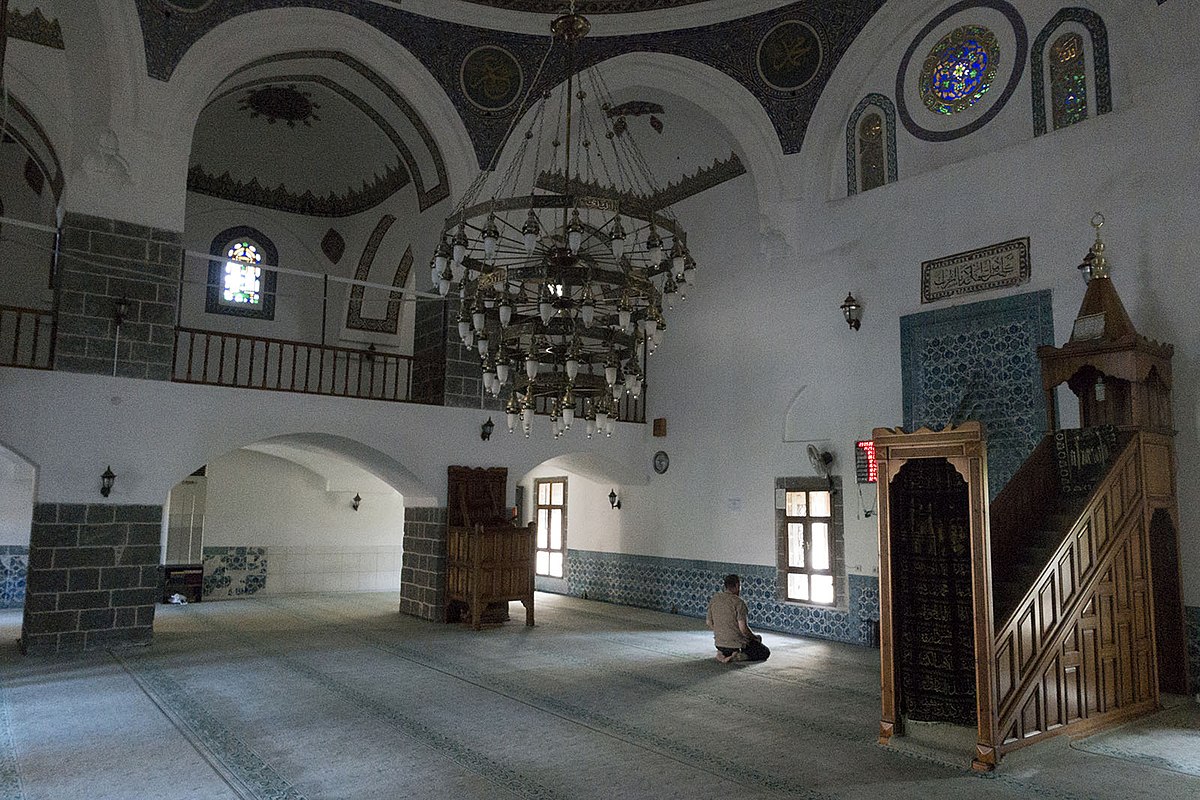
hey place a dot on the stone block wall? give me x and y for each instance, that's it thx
(429, 344)
(103, 261)
(423, 570)
(93, 576)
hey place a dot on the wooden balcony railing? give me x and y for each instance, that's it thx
(26, 337)
(215, 358)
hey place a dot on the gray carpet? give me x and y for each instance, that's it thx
(1169, 739)
(338, 696)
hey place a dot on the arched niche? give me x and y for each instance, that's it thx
(915, 469)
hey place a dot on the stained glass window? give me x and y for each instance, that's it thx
(242, 280)
(959, 69)
(871, 164)
(1068, 80)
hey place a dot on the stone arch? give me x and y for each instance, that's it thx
(743, 119)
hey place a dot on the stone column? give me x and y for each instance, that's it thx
(103, 262)
(93, 576)
(423, 573)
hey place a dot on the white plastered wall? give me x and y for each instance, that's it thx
(762, 342)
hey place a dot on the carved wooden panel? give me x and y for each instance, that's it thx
(1080, 645)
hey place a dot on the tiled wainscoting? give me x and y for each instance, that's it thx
(684, 587)
(1193, 644)
(333, 569)
(14, 564)
(240, 571)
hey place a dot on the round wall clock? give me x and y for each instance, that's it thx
(661, 461)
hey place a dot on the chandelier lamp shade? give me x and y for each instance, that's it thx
(563, 261)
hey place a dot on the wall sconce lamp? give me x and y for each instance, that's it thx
(356, 501)
(120, 310)
(106, 481)
(613, 500)
(485, 430)
(852, 311)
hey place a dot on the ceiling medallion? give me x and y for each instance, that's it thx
(284, 103)
(491, 78)
(789, 56)
(563, 259)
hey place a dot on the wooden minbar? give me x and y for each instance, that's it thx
(489, 561)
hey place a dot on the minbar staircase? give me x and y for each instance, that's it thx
(1075, 604)
(1074, 645)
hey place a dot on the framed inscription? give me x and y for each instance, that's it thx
(994, 267)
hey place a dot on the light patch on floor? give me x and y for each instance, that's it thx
(339, 696)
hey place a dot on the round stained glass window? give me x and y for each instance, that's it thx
(959, 69)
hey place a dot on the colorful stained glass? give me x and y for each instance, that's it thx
(1068, 80)
(959, 69)
(871, 167)
(242, 281)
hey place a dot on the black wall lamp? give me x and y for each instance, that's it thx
(120, 310)
(485, 430)
(356, 502)
(106, 481)
(613, 500)
(852, 311)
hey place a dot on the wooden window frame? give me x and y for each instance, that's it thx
(538, 506)
(837, 546)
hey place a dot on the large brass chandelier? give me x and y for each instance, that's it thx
(563, 268)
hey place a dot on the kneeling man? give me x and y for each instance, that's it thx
(727, 614)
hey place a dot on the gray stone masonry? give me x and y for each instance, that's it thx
(429, 342)
(93, 577)
(103, 261)
(423, 573)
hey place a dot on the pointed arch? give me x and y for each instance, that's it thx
(1089, 69)
(871, 149)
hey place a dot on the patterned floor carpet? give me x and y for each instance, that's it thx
(338, 696)
(1169, 739)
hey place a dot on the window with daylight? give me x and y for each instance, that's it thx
(1069, 71)
(238, 282)
(550, 560)
(809, 531)
(871, 145)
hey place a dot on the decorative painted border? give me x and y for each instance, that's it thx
(685, 586)
(961, 269)
(1100, 67)
(705, 178)
(216, 268)
(440, 46)
(35, 27)
(1014, 78)
(884, 104)
(390, 323)
(426, 196)
(44, 159)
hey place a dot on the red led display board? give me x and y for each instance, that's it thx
(864, 461)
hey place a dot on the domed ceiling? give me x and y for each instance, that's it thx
(312, 133)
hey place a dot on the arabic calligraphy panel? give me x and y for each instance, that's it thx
(996, 266)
